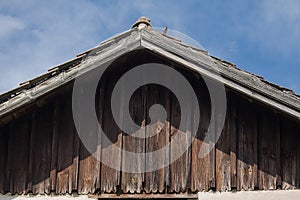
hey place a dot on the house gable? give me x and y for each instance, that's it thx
(257, 148)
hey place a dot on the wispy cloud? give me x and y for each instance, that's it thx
(40, 34)
(57, 31)
(273, 25)
(53, 33)
(8, 25)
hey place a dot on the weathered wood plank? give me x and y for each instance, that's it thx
(9, 172)
(111, 154)
(157, 138)
(89, 167)
(247, 143)
(297, 133)
(89, 170)
(75, 165)
(133, 182)
(4, 136)
(101, 103)
(77, 182)
(289, 160)
(31, 153)
(269, 150)
(278, 152)
(65, 148)
(42, 150)
(223, 157)
(20, 150)
(200, 174)
(54, 147)
(180, 142)
(233, 141)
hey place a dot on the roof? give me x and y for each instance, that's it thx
(198, 60)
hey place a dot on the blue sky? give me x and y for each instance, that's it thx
(262, 37)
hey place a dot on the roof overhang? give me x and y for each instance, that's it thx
(195, 59)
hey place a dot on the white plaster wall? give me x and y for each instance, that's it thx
(256, 195)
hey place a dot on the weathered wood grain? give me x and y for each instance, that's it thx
(201, 177)
(21, 134)
(31, 152)
(269, 151)
(42, 151)
(297, 132)
(298, 156)
(89, 168)
(10, 156)
(157, 139)
(247, 146)
(289, 160)
(3, 156)
(223, 157)
(133, 182)
(54, 147)
(110, 177)
(233, 139)
(180, 142)
(4, 135)
(65, 148)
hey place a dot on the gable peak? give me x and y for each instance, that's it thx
(142, 22)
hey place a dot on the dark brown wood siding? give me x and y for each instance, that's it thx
(41, 152)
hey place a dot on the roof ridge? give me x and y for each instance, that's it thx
(200, 61)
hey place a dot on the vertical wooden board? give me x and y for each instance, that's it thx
(42, 150)
(180, 142)
(157, 139)
(288, 154)
(4, 136)
(31, 152)
(65, 148)
(111, 154)
(233, 140)
(269, 150)
(247, 145)
(10, 159)
(78, 177)
(200, 166)
(76, 162)
(297, 132)
(101, 103)
(89, 170)
(223, 157)
(89, 164)
(74, 168)
(278, 152)
(133, 182)
(54, 147)
(21, 152)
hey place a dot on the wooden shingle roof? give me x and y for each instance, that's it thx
(198, 60)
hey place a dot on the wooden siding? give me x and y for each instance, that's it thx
(40, 151)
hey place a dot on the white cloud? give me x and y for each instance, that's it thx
(54, 33)
(8, 25)
(57, 31)
(39, 34)
(273, 26)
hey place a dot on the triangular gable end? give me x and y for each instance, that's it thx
(195, 59)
